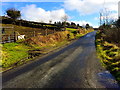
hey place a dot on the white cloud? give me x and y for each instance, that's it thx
(87, 7)
(90, 6)
(33, 13)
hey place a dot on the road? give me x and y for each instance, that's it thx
(74, 66)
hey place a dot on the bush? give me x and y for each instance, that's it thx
(109, 52)
(74, 33)
(112, 35)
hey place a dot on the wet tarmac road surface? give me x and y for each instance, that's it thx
(75, 66)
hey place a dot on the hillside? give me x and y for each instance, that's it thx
(27, 31)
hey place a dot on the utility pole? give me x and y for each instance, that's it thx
(119, 9)
(106, 16)
(100, 18)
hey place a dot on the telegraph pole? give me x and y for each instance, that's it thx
(100, 18)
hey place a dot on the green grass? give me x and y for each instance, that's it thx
(49, 25)
(72, 34)
(71, 29)
(79, 35)
(15, 52)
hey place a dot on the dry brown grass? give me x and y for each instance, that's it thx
(112, 35)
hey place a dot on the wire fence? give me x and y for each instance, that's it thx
(11, 34)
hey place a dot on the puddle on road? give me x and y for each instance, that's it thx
(107, 80)
(88, 35)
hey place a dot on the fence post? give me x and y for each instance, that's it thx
(46, 31)
(9, 38)
(34, 33)
(54, 30)
(14, 36)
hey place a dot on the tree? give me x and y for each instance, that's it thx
(87, 26)
(59, 23)
(55, 23)
(50, 21)
(73, 24)
(105, 16)
(13, 13)
(67, 24)
(78, 25)
(64, 19)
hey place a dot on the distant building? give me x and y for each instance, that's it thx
(119, 9)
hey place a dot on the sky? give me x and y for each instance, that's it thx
(78, 11)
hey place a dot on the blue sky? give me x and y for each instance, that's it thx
(78, 11)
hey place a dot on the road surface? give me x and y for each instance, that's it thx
(75, 66)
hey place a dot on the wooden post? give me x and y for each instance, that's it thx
(14, 36)
(54, 30)
(34, 33)
(9, 38)
(46, 31)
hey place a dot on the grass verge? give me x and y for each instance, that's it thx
(109, 53)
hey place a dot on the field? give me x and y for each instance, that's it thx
(71, 29)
